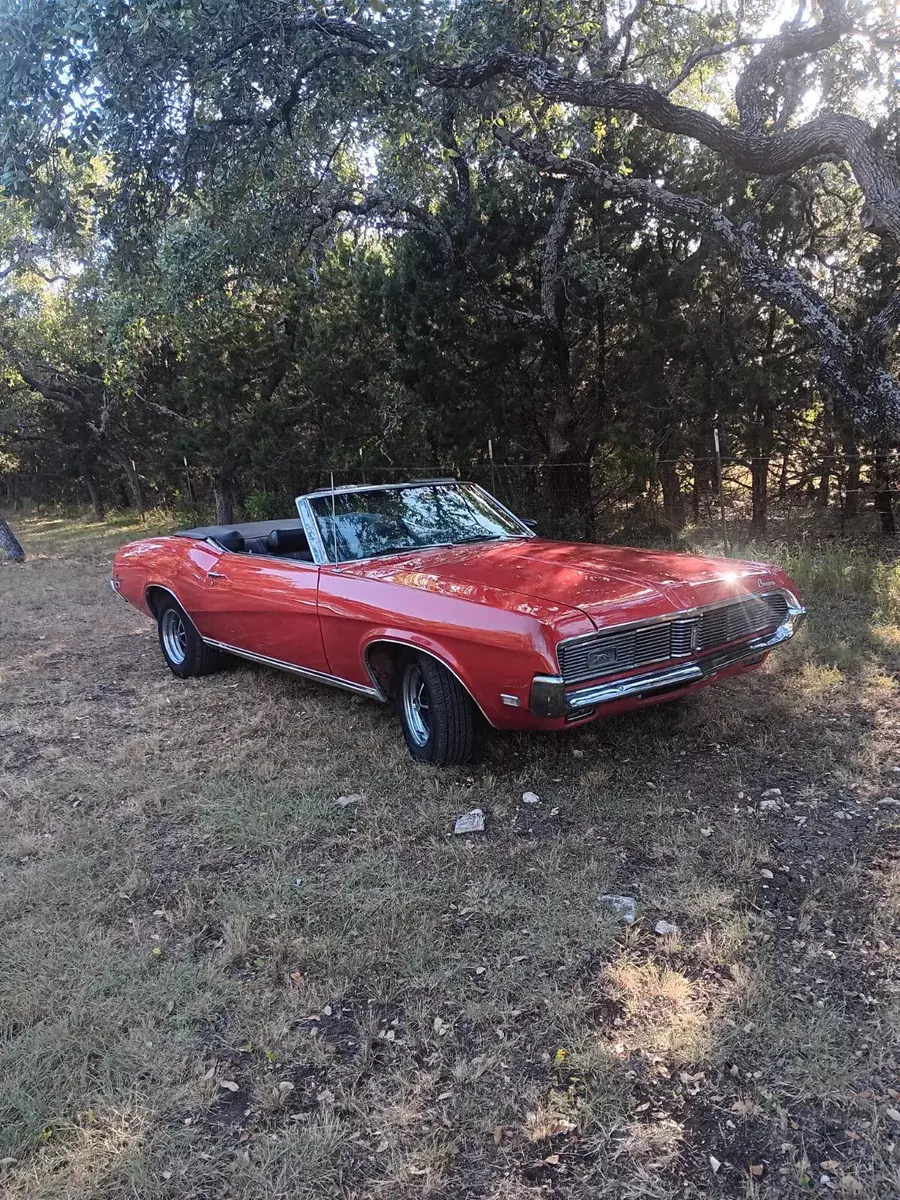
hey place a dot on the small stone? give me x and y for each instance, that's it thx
(769, 805)
(530, 798)
(664, 927)
(772, 792)
(715, 1164)
(470, 822)
(766, 874)
(353, 798)
(625, 907)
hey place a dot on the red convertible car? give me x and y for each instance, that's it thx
(434, 596)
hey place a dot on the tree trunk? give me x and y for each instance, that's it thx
(673, 500)
(571, 491)
(224, 496)
(9, 545)
(761, 444)
(824, 493)
(133, 486)
(884, 500)
(759, 480)
(851, 483)
(93, 487)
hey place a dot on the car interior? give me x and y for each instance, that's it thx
(276, 539)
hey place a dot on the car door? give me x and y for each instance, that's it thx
(267, 607)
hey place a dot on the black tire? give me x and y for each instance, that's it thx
(183, 648)
(441, 730)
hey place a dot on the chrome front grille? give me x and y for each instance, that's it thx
(678, 638)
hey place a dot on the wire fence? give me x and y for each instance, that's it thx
(735, 496)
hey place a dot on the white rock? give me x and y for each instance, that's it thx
(530, 798)
(664, 927)
(766, 874)
(625, 907)
(769, 806)
(470, 822)
(353, 798)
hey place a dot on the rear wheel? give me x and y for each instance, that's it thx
(436, 712)
(183, 648)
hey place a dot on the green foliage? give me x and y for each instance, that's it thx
(191, 303)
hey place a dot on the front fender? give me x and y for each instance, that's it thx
(487, 673)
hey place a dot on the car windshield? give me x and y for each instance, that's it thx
(389, 521)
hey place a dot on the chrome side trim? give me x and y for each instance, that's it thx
(293, 669)
(703, 668)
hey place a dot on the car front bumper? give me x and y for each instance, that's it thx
(551, 698)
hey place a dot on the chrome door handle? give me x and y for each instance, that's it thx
(215, 575)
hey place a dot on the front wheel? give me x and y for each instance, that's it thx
(436, 712)
(183, 648)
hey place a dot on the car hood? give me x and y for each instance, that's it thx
(597, 580)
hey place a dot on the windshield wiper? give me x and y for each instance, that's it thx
(394, 550)
(487, 537)
(481, 537)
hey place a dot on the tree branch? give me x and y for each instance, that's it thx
(554, 249)
(878, 330)
(829, 135)
(869, 393)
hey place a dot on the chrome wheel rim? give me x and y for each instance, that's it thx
(416, 708)
(174, 636)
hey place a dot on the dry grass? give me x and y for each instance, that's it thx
(216, 982)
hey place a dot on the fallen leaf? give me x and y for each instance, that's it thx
(829, 1165)
(893, 1114)
(756, 1169)
(552, 1159)
(285, 1086)
(229, 1085)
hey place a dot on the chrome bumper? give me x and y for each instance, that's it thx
(550, 699)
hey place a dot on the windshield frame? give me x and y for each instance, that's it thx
(314, 532)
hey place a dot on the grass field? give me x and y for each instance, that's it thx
(217, 982)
